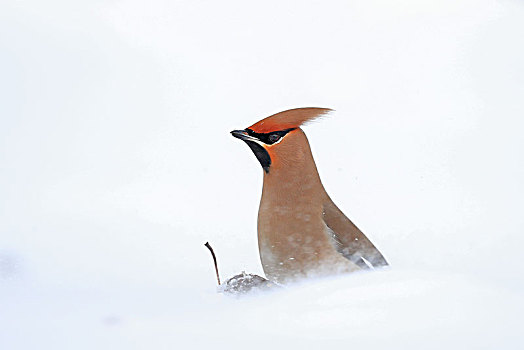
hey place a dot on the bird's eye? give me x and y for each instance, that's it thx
(274, 138)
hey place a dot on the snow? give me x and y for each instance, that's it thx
(116, 166)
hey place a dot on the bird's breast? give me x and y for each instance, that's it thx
(293, 238)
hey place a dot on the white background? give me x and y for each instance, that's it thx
(116, 166)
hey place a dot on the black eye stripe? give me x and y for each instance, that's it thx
(269, 138)
(274, 137)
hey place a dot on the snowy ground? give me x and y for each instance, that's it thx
(116, 166)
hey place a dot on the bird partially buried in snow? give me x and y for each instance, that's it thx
(301, 232)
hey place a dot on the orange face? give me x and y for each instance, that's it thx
(266, 137)
(263, 145)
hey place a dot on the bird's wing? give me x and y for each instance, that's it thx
(349, 240)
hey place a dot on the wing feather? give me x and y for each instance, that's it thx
(349, 240)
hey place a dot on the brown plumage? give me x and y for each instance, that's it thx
(301, 232)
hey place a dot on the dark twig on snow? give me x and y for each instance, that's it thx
(208, 246)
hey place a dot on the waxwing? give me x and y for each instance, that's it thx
(301, 232)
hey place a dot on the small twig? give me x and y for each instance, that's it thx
(208, 246)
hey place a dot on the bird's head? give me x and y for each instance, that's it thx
(278, 139)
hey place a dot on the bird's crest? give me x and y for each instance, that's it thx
(292, 118)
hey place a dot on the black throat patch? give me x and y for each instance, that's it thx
(261, 154)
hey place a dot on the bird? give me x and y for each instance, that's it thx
(301, 233)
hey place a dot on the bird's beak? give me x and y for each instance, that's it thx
(243, 135)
